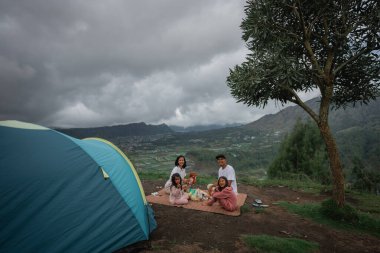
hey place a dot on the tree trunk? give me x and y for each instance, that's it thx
(335, 164)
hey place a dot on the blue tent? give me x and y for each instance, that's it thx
(61, 194)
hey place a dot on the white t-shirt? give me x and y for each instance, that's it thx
(229, 173)
(176, 169)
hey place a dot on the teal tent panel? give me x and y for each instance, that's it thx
(122, 176)
(54, 197)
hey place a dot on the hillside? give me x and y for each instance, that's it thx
(200, 128)
(250, 147)
(356, 129)
(366, 115)
(109, 132)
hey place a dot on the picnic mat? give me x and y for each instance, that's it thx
(163, 199)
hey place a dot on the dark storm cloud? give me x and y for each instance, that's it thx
(91, 63)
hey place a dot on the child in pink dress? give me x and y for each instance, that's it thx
(224, 195)
(177, 195)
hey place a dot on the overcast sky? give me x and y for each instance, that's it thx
(96, 63)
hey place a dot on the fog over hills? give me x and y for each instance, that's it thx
(282, 121)
(200, 128)
(251, 146)
(338, 119)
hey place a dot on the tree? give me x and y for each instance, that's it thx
(302, 153)
(363, 179)
(301, 46)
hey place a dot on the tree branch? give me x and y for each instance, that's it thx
(306, 35)
(353, 58)
(330, 51)
(296, 99)
(324, 38)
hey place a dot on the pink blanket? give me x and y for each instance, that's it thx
(163, 199)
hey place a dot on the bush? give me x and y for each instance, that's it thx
(330, 209)
(364, 179)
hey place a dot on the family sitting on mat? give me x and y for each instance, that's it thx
(224, 191)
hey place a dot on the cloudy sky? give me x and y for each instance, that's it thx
(94, 63)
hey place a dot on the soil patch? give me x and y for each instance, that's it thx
(186, 230)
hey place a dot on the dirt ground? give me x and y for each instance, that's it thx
(185, 230)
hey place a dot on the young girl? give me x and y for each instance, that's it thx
(177, 195)
(225, 195)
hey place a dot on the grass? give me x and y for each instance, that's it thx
(245, 208)
(305, 186)
(274, 244)
(365, 202)
(365, 222)
(260, 210)
(158, 175)
(205, 179)
(152, 175)
(347, 213)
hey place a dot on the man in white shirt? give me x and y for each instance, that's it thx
(227, 171)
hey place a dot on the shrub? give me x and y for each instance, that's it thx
(330, 209)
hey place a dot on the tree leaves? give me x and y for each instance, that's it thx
(307, 45)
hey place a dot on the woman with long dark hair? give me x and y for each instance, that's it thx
(180, 168)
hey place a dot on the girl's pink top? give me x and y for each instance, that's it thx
(227, 198)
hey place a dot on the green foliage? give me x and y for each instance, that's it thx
(330, 209)
(303, 45)
(203, 157)
(302, 152)
(245, 208)
(260, 210)
(361, 142)
(152, 175)
(205, 179)
(365, 222)
(266, 243)
(364, 180)
(242, 156)
(366, 203)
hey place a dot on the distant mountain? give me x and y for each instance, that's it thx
(254, 145)
(340, 119)
(134, 129)
(356, 129)
(200, 128)
(282, 121)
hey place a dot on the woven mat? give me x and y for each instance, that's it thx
(163, 199)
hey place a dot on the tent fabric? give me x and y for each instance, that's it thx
(54, 197)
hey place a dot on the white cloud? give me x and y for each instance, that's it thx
(94, 63)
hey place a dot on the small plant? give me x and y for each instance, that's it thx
(347, 213)
(245, 208)
(266, 243)
(259, 210)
